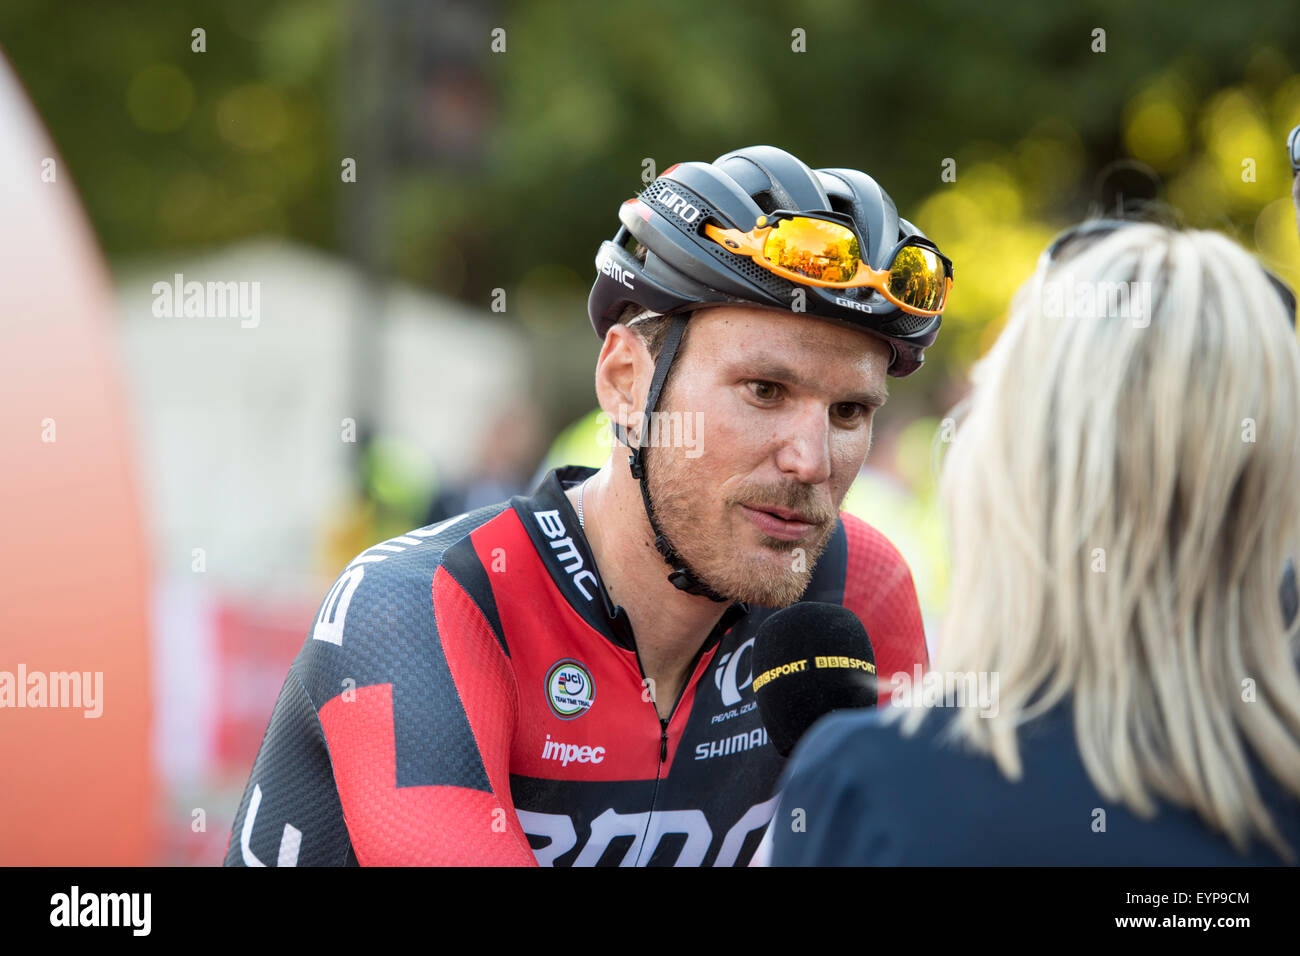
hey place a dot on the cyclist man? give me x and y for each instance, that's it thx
(524, 683)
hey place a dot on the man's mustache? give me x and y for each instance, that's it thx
(796, 497)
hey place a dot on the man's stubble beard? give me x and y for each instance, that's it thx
(704, 540)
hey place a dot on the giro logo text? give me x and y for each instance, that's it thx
(679, 206)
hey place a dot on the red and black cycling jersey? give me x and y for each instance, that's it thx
(469, 694)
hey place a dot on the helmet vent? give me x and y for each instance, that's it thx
(907, 324)
(844, 206)
(773, 285)
(766, 201)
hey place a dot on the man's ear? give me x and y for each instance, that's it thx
(623, 373)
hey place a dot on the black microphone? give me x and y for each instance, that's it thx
(809, 659)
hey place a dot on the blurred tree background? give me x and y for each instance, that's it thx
(172, 148)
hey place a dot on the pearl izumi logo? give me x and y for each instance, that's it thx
(727, 676)
(733, 675)
(569, 689)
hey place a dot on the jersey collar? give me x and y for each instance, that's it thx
(552, 526)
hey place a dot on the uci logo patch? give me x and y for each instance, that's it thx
(569, 689)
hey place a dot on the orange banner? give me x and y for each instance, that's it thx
(76, 783)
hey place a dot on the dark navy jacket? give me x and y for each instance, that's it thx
(871, 797)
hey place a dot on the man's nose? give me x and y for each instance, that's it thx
(805, 452)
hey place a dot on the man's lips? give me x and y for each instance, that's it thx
(789, 514)
(783, 523)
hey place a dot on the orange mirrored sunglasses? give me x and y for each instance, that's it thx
(811, 250)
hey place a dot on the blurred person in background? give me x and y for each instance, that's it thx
(897, 493)
(1121, 498)
(397, 487)
(565, 678)
(506, 456)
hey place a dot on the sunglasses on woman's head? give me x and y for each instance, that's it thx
(1095, 229)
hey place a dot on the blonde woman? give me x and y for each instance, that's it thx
(1115, 682)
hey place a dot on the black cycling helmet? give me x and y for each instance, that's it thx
(685, 270)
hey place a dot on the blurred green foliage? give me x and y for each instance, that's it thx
(173, 149)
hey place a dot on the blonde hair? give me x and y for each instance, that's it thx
(1122, 496)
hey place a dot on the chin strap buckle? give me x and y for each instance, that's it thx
(683, 580)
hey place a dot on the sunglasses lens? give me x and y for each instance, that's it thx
(814, 248)
(918, 278)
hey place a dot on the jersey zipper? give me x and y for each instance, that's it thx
(690, 676)
(663, 724)
(665, 721)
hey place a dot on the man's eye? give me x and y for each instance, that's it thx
(848, 411)
(765, 391)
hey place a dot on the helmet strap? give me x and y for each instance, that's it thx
(681, 576)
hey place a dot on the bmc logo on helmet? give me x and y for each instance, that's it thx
(609, 267)
(680, 207)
